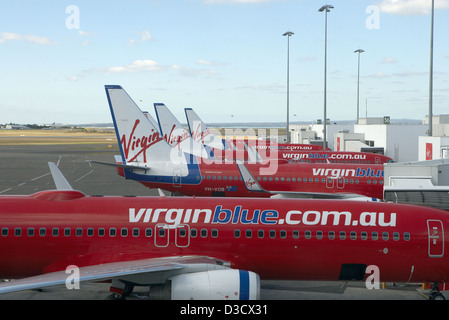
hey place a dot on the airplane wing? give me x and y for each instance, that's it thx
(58, 178)
(145, 271)
(252, 185)
(120, 165)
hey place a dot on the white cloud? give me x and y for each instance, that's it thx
(136, 66)
(411, 7)
(378, 75)
(9, 36)
(145, 65)
(208, 63)
(143, 37)
(389, 60)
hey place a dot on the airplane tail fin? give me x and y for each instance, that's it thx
(200, 132)
(141, 144)
(175, 134)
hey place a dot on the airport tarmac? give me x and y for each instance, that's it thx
(24, 170)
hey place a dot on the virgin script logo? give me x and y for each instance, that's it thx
(138, 145)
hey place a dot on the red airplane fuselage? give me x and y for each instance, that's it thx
(278, 239)
(224, 179)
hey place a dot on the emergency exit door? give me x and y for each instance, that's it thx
(436, 238)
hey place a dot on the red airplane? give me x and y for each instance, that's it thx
(288, 152)
(214, 248)
(148, 159)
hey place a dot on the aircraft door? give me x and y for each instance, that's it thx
(340, 183)
(161, 235)
(329, 182)
(182, 238)
(436, 238)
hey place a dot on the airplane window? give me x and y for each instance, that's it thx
(353, 235)
(148, 232)
(182, 233)
(331, 235)
(101, 232)
(264, 178)
(42, 232)
(381, 182)
(299, 179)
(374, 236)
(260, 234)
(356, 181)
(208, 177)
(225, 178)
(342, 235)
(310, 180)
(272, 234)
(18, 232)
(351, 181)
(385, 236)
(124, 232)
(406, 236)
(282, 179)
(230, 178)
(364, 235)
(219, 178)
(136, 232)
(55, 232)
(288, 179)
(214, 233)
(319, 234)
(308, 234)
(270, 179)
(213, 178)
(203, 233)
(30, 232)
(248, 233)
(293, 179)
(90, 232)
(112, 232)
(193, 233)
(396, 236)
(369, 181)
(295, 234)
(317, 180)
(4, 232)
(283, 234)
(237, 233)
(79, 232)
(374, 181)
(276, 179)
(67, 232)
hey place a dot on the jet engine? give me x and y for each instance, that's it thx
(226, 284)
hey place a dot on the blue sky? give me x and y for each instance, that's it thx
(220, 57)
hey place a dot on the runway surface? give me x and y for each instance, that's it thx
(24, 170)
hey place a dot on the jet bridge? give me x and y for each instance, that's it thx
(422, 182)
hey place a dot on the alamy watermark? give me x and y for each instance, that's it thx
(73, 279)
(72, 22)
(372, 21)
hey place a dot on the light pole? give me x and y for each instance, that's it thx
(326, 8)
(288, 34)
(431, 75)
(359, 51)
